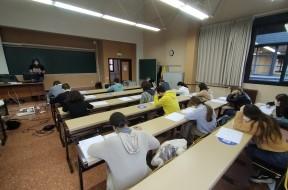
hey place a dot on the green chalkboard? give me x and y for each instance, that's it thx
(147, 68)
(55, 61)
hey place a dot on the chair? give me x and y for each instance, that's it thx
(277, 173)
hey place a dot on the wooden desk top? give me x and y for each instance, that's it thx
(94, 119)
(200, 167)
(98, 91)
(109, 95)
(20, 84)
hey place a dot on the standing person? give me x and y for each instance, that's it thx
(37, 70)
(204, 119)
(75, 105)
(116, 87)
(270, 146)
(205, 94)
(167, 99)
(124, 153)
(183, 89)
(148, 93)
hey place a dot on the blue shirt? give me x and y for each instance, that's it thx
(199, 115)
(117, 87)
(56, 90)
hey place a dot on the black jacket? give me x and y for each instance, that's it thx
(237, 101)
(77, 109)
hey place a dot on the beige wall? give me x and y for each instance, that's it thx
(181, 36)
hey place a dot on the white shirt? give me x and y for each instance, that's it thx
(183, 91)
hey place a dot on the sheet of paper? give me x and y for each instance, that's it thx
(110, 135)
(14, 82)
(222, 98)
(230, 134)
(219, 101)
(89, 97)
(125, 99)
(100, 103)
(136, 97)
(2, 102)
(187, 110)
(83, 92)
(267, 110)
(85, 144)
(175, 116)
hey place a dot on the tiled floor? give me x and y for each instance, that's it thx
(32, 162)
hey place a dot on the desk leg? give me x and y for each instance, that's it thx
(80, 172)
(67, 152)
(61, 128)
(3, 132)
(219, 112)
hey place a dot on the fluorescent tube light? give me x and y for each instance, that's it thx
(269, 48)
(148, 27)
(174, 3)
(186, 8)
(96, 14)
(47, 2)
(286, 27)
(115, 19)
(77, 9)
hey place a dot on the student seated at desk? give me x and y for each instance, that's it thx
(164, 84)
(166, 99)
(116, 87)
(270, 146)
(236, 99)
(63, 96)
(281, 111)
(56, 89)
(75, 105)
(182, 89)
(205, 94)
(124, 153)
(148, 93)
(203, 116)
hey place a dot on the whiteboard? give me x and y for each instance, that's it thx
(173, 78)
(3, 64)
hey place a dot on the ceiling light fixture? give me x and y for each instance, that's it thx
(77, 9)
(47, 2)
(186, 8)
(96, 14)
(115, 19)
(269, 48)
(147, 27)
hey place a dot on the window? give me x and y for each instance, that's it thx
(111, 65)
(268, 56)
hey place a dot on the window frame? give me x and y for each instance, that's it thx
(260, 22)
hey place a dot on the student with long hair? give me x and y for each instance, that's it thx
(75, 105)
(148, 93)
(270, 146)
(204, 117)
(182, 89)
(204, 93)
(125, 153)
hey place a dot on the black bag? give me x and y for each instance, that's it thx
(12, 124)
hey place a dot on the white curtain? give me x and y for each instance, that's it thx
(222, 52)
(3, 64)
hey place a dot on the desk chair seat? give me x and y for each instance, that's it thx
(276, 173)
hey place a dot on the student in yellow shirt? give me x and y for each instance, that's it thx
(270, 146)
(166, 99)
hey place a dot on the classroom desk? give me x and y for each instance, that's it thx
(110, 103)
(78, 128)
(154, 127)
(103, 90)
(21, 90)
(109, 95)
(200, 167)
